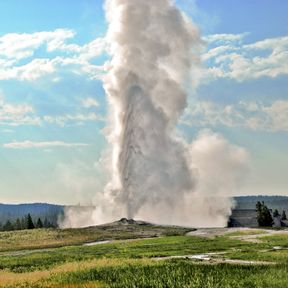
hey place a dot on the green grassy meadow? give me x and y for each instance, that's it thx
(62, 260)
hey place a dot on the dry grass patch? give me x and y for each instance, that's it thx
(10, 278)
(83, 285)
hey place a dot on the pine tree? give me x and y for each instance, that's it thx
(23, 223)
(8, 226)
(268, 220)
(259, 212)
(39, 223)
(46, 223)
(17, 224)
(264, 217)
(283, 217)
(259, 206)
(276, 213)
(30, 224)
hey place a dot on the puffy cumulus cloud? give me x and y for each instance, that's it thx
(24, 114)
(29, 72)
(19, 46)
(252, 115)
(278, 115)
(12, 114)
(66, 56)
(17, 114)
(44, 144)
(205, 113)
(55, 68)
(228, 57)
(225, 38)
(16, 110)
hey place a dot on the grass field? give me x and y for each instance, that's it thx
(51, 238)
(166, 261)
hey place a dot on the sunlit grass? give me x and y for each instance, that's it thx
(13, 278)
(145, 248)
(180, 274)
(51, 238)
(136, 263)
(276, 240)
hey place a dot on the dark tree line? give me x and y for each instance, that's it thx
(264, 216)
(276, 214)
(25, 222)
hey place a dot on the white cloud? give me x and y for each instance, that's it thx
(32, 71)
(224, 38)
(89, 102)
(228, 57)
(278, 115)
(251, 115)
(38, 68)
(269, 43)
(24, 114)
(45, 144)
(19, 46)
(17, 114)
(79, 118)
(16, 110)
(66, 56)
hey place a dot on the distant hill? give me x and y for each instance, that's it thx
(37, 210)
(272, 202)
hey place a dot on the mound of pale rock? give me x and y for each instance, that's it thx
(125, 221)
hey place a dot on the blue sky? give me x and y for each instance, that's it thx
(53, 107)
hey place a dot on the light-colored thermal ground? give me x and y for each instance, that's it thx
(241, 233)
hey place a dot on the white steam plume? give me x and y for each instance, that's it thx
(154, 48)
(221, 169)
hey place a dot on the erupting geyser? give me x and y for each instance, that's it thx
(153, 47)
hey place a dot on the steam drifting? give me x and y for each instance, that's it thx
(154, 48)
